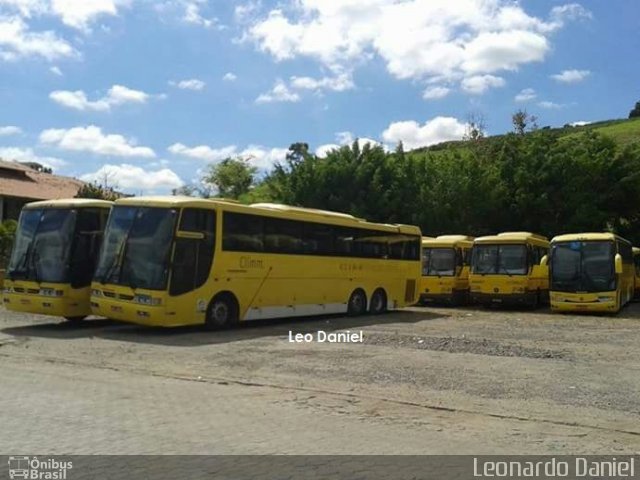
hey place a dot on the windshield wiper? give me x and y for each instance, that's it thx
(114, 263)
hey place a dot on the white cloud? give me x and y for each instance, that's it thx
(56, 71)
(414, 135)
(17, 41)
(571, 76)
(10, 130)
(26, 8)
(91, 139)
(262, 157)
(135, 179)
(190, 84)
(203, 152)
(417, 39)
(479, 84)
(28, 155)
(571, 11)
(117, 95)
(259, 156)
(526, 95)
(433, 93)
(550, 105)
(229, 77)
(192, 14)
(187, 11)
(80, 13)
(580, 123)
(339, 83)
(279, 93)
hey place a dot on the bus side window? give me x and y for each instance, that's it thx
(192, 258)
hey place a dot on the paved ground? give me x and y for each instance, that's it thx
(424, 381)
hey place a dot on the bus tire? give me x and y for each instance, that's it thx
(75, 320)
(378, 302)
(222, 312)
(357, 303)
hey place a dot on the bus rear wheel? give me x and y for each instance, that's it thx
(222, 313)
(378, 302)
(357, 303)
(75, 320)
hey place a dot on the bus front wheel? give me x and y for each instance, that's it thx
(378, 302)
(357, 303)
(222, 313)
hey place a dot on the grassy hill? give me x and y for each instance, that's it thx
(624, 132)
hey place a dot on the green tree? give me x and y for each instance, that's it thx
(232, 177)
(95, 190)
(635, 112)
(7, 236)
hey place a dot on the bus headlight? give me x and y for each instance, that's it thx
(8, 290)
(146, 300)
(96, 293)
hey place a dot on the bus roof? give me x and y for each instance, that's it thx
(589, 236)
(447, 241)
(270, 209)
(70, 203)
(513, 237)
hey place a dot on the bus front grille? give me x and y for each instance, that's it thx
(410, 291)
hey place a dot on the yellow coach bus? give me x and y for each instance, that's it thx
(173, 261)
(445, 269)
(591, 272)
(510, 268)
(53, 258)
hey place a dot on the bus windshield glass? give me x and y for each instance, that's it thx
(43, 245)
(499, 260)
(136, 247)
(438, 262)
(583, 267)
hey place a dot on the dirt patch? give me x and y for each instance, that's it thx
(479, 346)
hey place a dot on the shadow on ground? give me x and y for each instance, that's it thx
(193, 336)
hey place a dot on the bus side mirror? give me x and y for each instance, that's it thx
(544, 261)
(618, 263)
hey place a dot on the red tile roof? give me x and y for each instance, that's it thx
(17, 180)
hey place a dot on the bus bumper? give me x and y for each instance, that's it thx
(61, 303)
(456, 297)
(128, 312)
(610, 306)
(527, 298)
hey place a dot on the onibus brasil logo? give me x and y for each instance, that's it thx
(38, 469)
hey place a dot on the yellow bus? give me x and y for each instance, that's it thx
(53, 258)
(173, 261)
(591, 272)
(636, 264)
(445, 269)
(510, 268)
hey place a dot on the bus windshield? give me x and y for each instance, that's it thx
(136, 247)
(583, 267)
(499, 259)
(438, 261)
(43, 245)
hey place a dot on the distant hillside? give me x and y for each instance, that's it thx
(624, 132)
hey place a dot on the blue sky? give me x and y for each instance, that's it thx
(146, 94)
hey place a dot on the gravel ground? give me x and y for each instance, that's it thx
(506, 381)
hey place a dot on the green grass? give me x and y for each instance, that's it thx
(623, 131)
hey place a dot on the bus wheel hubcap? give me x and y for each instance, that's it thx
(220, 313)
(356, 303)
